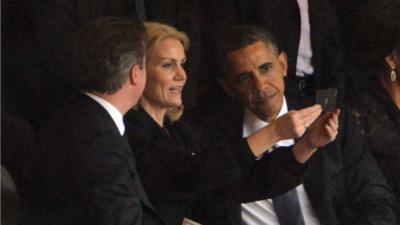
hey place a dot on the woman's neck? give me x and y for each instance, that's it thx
(392, 88)
(156, 112)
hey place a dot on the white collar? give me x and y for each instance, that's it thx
(114, 112)
(251, 124)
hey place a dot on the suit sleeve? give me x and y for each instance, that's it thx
(370, 198)
(112, 184)
(272, 175)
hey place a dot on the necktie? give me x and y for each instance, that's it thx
(140, 10)
(287, 209)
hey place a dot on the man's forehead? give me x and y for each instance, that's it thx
(252, 55)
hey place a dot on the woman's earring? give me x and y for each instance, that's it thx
(393, 76)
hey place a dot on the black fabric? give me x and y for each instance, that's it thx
(287, 209)
(341, 179)
(169, 164)
(85, 171)
(219, 124)
(379, 120)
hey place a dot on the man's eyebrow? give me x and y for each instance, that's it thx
(268, 64)
(237, 76)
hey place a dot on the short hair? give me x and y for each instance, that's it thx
(157, 32)
(105, 51)
(240, 36)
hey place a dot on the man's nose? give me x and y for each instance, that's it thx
(260, 83)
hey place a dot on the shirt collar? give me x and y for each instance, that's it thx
(251, 124)
(114, 112)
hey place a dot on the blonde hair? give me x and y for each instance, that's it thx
(157, 32)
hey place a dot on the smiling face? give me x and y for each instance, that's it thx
(165, 74)
(255, 76)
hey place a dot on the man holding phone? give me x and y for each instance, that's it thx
(342, 184)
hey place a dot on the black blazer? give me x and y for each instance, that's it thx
(341, 179)
(168, 162)
(86, 171)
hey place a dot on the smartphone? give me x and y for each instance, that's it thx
(327, 99)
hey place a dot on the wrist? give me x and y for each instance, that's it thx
(274, 131)
(303, 150)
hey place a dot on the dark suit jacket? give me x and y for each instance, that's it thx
(342, 180)
(87, 171)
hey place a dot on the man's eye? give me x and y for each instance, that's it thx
(244, 77)
(265, 68)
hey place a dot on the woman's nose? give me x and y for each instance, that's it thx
(180, 74)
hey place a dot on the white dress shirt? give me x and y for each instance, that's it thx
(262, 212)
(304, 55)
(115, 114)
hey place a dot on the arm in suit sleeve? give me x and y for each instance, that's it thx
(371, 200)
(272, 175)
(113, 188)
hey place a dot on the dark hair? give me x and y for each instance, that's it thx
(105, 51)
(237, 37)
(377, 31)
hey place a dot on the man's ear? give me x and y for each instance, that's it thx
(282, 58)
(134, 74)
(224, 84)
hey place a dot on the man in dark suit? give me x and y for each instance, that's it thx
(308, 31)
(342, 184)
(86, 171)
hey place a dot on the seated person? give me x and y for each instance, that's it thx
(342, 183)
(174, 167)
(377, 106)
(85, 171)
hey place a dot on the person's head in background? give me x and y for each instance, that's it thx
(109, 60)
(166, 75)
(378, 33)
(253, 70)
